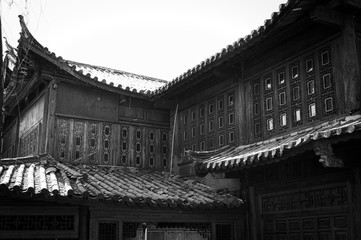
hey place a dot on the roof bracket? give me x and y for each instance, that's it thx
(323, 148)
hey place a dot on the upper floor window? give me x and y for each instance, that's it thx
(310, 87)
(220, 140)
(164, 137)
(193, 132)
(257, 128)
(270, 124)
(107, 130)
(210, 108)
(256, 89)
(282, 98)
(201, 129)
(231, 118)
(231, 137)
(283, 119)
(193, 147)
(256, 108)
(185, 119)
(325, 59)
(269, 105)
(210, 126)
(201, 112)
(220, 104)
(185, 135)
(138, 134)
(230, 100)
(312, 110)
(151, 136)
(124, 146)
(124, 133)
(328, 104)
(203, 146)
(309, 65)
(193, 116)
(221, 122)
(294, 72)
(297, 115)
(268, 83)
(296, 93)
(151, 162)
(281, 78)
(326, 81)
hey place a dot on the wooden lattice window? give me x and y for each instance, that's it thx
(108, 231)
(37, 223)
(224, 231)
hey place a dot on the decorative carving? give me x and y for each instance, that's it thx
(63, 138)
(330, 196)
(37, 223)
(107, 139)
(124, 148)
(92, 142)
(323, 148)
(78, 141)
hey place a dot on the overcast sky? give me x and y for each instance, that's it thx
(157, 38)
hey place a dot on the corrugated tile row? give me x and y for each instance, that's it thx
(263, 152)
(45, 176)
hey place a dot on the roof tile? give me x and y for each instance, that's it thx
(45, 176)
(250, 155)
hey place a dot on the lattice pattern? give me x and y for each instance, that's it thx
(311, 227)
(224, 231)
(108, 230)
(93, 132)
(63, 127)
(78, 140)
(326, 81)
(207, 121)
(29, 142)
(307, 199)
(107, 141)
(138, 146)
(130, 229)
(37, 223)
(124, 148)
(164, 149)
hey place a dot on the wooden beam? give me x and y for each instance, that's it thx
(327, 16)
(350, 66)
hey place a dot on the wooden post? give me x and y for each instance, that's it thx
(1, 92)
(357, 203)
(350, 66)
(252, 210)
(50, 119)
(83, 223)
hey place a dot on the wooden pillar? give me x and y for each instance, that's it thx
(50, 119)
(350, 66)
(252, 213)
(83, 223)
(357, 203)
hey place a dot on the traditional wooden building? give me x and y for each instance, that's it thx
(278, 110)
(107, 175)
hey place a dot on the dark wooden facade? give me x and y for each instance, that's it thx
(299, 71)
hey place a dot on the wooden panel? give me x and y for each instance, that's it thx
(87, 103)
(32, 116)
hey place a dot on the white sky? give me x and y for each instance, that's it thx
(156, 38)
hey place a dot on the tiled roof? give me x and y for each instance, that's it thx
(268, 151)
(116, 79)
(288, 13)
(43, 176)
(129, 81)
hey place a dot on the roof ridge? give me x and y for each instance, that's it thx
(116, 70)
